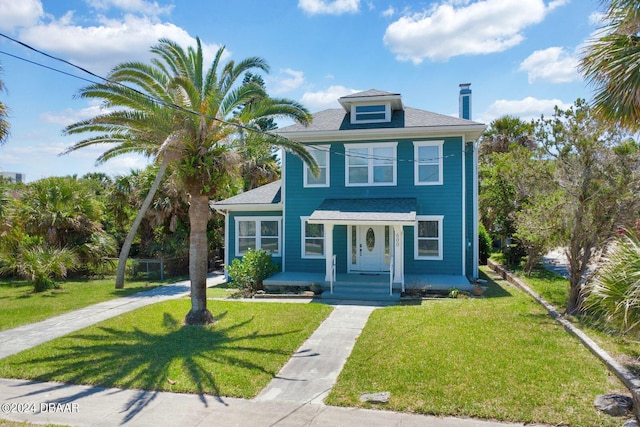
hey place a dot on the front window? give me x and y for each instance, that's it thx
(428, 238)
(321, 154)
(258, 233)
(313, 240)
(370, 164)
(428, 162)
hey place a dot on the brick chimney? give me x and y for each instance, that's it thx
(465, 101)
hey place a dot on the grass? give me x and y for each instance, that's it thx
(555, 289)
(150, 349)
(19, 305)
(498, 357)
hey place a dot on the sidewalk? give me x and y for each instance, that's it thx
(293, 398)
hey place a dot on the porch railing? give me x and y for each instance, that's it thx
(332, 277)
(391, 270)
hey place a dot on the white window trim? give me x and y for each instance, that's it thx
(417, 164)
(439, 219)
(306, 171)
(370, 164)
(387, 113)
(303, 238)
(258, 220)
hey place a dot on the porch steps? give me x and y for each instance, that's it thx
(362, 292)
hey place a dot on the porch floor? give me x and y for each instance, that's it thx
(412, 281)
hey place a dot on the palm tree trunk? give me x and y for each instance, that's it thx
(126, 246)
(198, 257)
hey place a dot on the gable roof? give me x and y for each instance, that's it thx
(268, 195)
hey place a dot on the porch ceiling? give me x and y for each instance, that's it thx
(400, 211)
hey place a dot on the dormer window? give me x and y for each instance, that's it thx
(370, 113)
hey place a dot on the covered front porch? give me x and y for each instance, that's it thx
(366, 286)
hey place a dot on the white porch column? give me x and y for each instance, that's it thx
(398, 255)
(328, 251)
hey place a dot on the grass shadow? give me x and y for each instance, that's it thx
(174, 357)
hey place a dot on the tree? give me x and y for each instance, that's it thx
(597, 169)
(185, 116)
(41, 265)
(506, 153)
(4, 114)
(611, 64)
(614, 292)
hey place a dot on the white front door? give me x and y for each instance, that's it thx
(371, 247)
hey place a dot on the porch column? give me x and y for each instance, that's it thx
(398, 254)
(328, 250)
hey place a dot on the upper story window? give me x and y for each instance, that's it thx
(371, 113)
(370, 164)
(258, 233)
(321, 154)
(428, 162)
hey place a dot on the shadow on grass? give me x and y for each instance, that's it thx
(151, 363)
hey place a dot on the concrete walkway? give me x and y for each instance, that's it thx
(313, 370)
(293, 398)
(23, 337)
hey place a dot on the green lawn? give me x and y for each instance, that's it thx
(150, 349)
(19, 305)
(555, 290)
(498, 357)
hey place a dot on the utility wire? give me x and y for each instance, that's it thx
(186, 110)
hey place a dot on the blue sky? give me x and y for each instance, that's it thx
(519, 55)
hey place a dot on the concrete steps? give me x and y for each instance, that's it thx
(362, 292)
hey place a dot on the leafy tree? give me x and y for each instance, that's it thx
(611, 63)
(597, 169)
(186, 116)
(506, 153)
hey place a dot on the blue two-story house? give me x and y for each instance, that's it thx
(394, 206)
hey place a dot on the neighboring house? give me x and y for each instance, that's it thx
(394, 205)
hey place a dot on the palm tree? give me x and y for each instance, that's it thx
(610, 64)
(4, 113)
(182, 115)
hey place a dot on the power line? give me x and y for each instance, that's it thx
(186, 110)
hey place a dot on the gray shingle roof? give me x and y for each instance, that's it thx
(366, 210)
(336, 119)
(267, 194)
(370, 92)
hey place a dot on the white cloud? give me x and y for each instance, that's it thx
(323, 99)
(293, 80)
(99, 48)
(527, 109)
(139, 6)
(70, 115)
(329, 7)
(463, 28)
(122, 165)
(14, 14)
(389, 12)
(553, 65)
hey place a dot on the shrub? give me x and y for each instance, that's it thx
(248, 273)
(485, 244)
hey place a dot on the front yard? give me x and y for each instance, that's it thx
(499, 357)
(151, 349)
(19, 305)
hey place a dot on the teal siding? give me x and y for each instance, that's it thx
(445, 200)
(472, 257)
(231, 249)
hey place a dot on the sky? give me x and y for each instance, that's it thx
(520, 57)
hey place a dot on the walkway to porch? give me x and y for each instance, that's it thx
(366, 286)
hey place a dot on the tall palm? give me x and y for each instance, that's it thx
(4, 114)
(186, 116)
(611, 64)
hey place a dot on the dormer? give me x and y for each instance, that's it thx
(371, 106)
